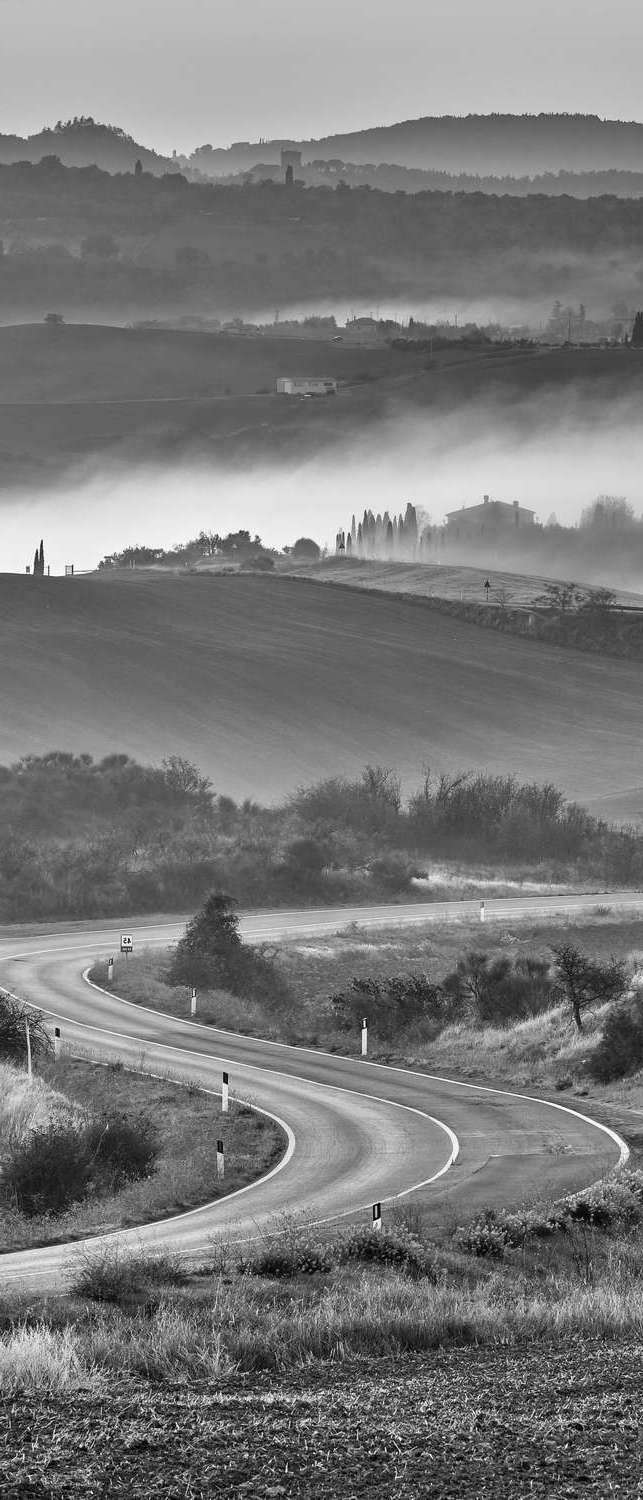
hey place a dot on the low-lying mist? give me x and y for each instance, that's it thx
(553, 453)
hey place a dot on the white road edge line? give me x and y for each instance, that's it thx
(226, 1198)
(623, 1148)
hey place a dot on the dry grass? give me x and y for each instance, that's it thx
(27, 1106)
(236, 1324)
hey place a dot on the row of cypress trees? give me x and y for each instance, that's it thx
(381, 536)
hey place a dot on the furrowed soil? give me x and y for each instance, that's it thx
(465, 1422)
(267, 683)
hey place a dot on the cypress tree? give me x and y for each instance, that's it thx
(637, 331)
(41, 559)
(36, 564)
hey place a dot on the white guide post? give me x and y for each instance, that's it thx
(57, 1042)
(110, 970)
(365, 1036)
(220, 1159)
(224, 1094)
(482, 911)
(28, 1035)
(377, 1216)
(193, 1002)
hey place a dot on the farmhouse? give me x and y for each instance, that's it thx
(306, 385)
(492, 518)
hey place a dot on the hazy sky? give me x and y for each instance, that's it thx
(223, 70)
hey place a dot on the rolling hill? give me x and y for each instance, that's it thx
(268, 683)
(146, 394)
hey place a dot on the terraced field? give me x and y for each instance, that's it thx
(270, 682)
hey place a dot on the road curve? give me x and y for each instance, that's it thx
(360, 1132)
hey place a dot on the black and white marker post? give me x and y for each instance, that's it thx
(364, 1036)
(482, 911)
(193, 1002)
(220, 1159)
(224, 1094)
(377, 1216)
(28, 1035)
(57, 1042)
(110, 970)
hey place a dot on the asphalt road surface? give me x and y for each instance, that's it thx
(357, 1132)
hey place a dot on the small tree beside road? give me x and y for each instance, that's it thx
(584, 981)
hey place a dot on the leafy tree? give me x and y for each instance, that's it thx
(559, 597)
(53, 319)
(584, 981)
(306, 548)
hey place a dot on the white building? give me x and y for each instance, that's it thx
(306, 385)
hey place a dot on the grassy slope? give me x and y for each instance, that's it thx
(264, 685)
(444, 580)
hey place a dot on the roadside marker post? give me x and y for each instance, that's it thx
(482, 911)
(193, 1002)
(57, 1042)
(220, 1159)
(110, 970)
(224, 1094)
(365, 1036)
(377, 1217)
(28, 1035)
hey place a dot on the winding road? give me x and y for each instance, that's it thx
(358, 1132)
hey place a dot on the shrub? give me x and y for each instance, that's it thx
(389, 1004)
(620, 1049)
(114, 1274)
(59, 1165)
(390, 1247)
(490, 991)
(49, 1171)
(125, 1146)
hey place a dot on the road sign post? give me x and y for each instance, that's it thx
(127, 944)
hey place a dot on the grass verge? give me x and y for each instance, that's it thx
(189, 1122)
